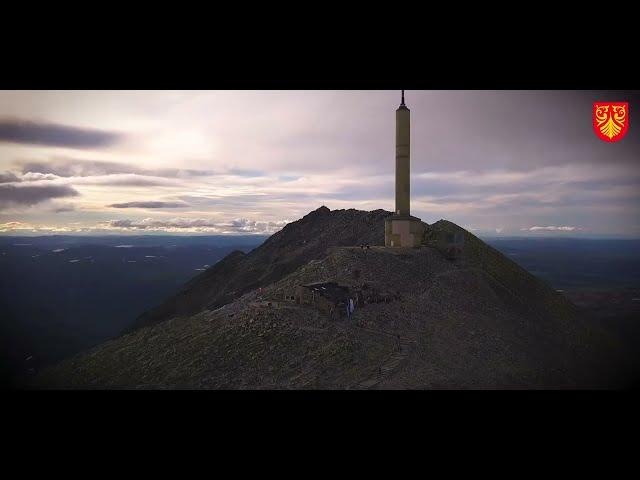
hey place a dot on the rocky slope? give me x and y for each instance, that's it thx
(296, 244)
(480, 321)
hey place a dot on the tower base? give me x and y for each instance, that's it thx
(403, 231)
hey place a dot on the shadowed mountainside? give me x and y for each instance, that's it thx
(282, 253)
(480, 321)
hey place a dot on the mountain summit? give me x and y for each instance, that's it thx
(281, 254)
(277, 318)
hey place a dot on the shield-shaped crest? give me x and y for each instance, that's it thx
(610, 120)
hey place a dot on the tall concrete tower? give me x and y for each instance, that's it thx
(401, 229)
(403, 154)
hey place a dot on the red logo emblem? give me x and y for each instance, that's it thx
(610, 120)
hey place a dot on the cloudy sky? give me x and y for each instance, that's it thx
(506, 162)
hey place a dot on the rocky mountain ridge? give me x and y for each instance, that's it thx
(295, 245)
(479, 321)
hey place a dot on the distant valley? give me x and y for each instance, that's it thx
(63, 294)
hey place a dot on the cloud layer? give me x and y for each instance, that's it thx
(150, 204)
(501, 162)
(8, 177)
(551, 228)
(73, 167)
(31, 194)
(51, 134)
(197, 225)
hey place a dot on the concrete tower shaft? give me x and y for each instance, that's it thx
(403, 141)
(401, 229)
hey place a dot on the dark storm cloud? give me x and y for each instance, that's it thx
(32, 194)
(70, 167)
(55, 135)
(149, 205)
(8, 177)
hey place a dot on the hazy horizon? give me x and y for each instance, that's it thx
(492, 235)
